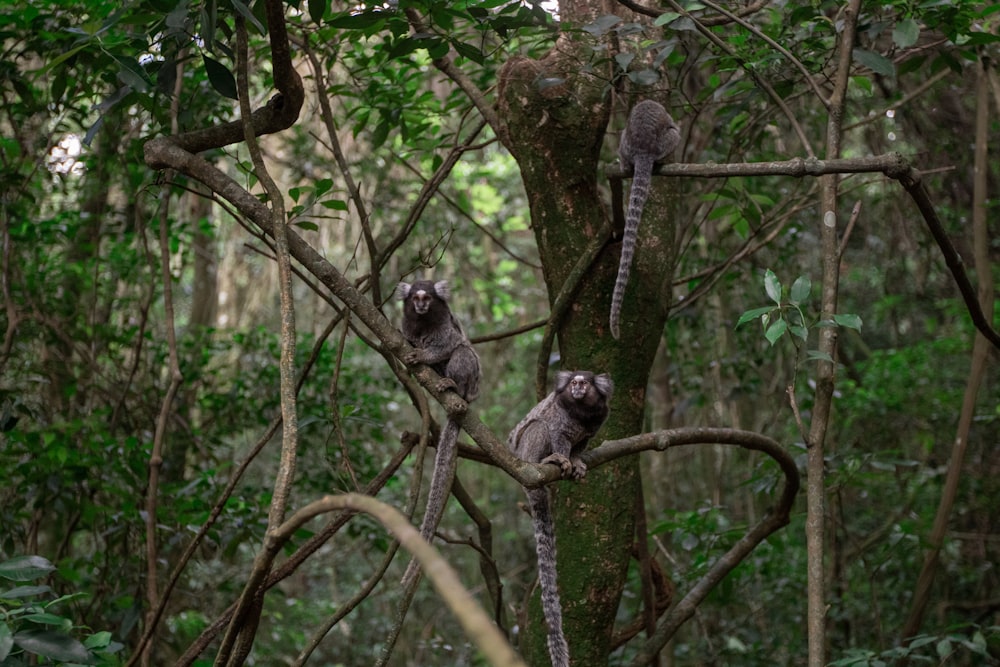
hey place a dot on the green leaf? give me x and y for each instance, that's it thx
(772, 286)
(54, 645)
(799, 331)
(875, 62)
(46, 618)
(666, 17)
(905, 33)
(334, 204)
(602, 25)
(405, 46)
(357, 21)
(848, 320)
(6, 641)
(776, 331)
(221, 78)
(623, 60)
(248, 15)
(132, 74)
(751, 315)
(864, 83)
(380, 133)
(316, 10)
(24, 592)
(473, 53)
(323, 186)
(98, 640)
(644, 77)
(307, 224)
(816, 355)
(800, 290)
(25, 568)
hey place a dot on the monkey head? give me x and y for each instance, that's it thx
(422, 295)
(584, 396)
(584, 386)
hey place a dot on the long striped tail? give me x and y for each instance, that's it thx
(545, 547)
(445, 462)
(642, 173)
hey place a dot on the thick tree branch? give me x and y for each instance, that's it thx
(280, 113)
(893, 165)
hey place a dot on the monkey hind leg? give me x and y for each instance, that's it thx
(463, 369)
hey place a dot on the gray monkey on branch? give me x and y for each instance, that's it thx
(556, 431)
(439, 341)
(650, 136)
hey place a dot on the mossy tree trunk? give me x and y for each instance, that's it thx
(556, 113)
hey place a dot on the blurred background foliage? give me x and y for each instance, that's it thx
(83, 367)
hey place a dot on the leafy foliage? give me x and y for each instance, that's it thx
(85, 350)
(31, 626)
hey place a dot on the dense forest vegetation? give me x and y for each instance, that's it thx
(211, 451)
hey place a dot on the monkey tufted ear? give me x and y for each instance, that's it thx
(403, 291)
(563, 378)
(442, 289)
(604, 384)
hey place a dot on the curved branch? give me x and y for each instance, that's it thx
(777, 518)
(280, 112)
(474, 621)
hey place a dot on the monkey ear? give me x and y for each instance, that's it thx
(442, 289)
(563, 378)
(403, 291)
(604, 384)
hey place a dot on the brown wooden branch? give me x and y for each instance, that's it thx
(294, 561)
(474, 621)
(893, 165)
(777, 518)
(655, 12)
(487, 563)
(280, 112)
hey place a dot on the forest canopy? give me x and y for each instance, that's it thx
(217, 445)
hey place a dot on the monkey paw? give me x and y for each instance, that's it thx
(413, 357)
(579, 470)
(445, 384)
(565, 465)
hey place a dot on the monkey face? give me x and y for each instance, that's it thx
(422, 294)
(422, 301)
(584, 386)
(579, 386)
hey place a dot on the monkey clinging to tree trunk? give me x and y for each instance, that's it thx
(556, 431)
(650, 135)
(431, 328)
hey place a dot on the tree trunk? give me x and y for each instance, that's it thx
(555, 116)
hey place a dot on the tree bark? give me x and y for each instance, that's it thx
(555, 117)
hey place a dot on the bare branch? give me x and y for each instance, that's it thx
(893, 165)
(474, 621)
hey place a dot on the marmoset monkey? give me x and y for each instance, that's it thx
(650, 135)
(556, 431)
(431, 328)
